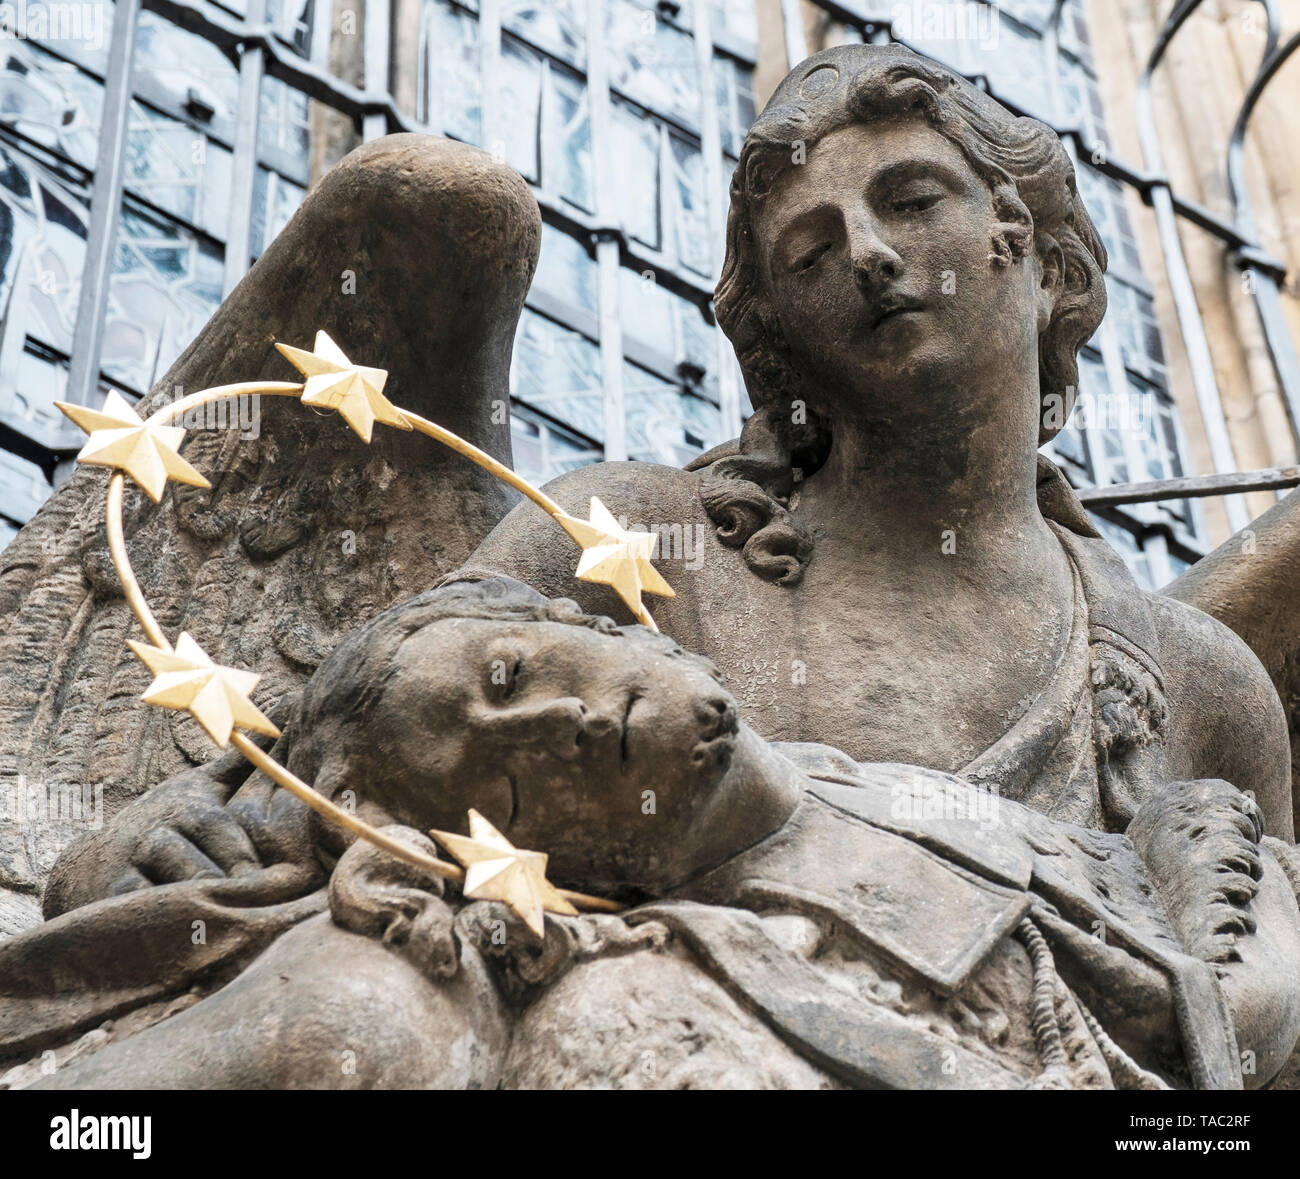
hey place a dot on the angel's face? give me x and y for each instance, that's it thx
(876, 258)
(597, 749)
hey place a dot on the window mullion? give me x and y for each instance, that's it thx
(105, 208)
(243, 170)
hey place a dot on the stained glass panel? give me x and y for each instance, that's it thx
(665, 425)
(558, 26)
(566, 270)
(27, 406)
(542, 453)
(171, 64)
(43, 230)
(275, 200)
(450, 96)
(179, 169)
(636, 169)
(652, 62)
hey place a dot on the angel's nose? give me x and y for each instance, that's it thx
(875, 263)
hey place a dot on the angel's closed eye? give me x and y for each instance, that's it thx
(919, 200)
(807, 259)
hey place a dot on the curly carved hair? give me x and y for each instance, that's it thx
(1037, 206)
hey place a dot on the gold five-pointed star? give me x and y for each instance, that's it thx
(613, 556)
(119, 439)
(334, 382)
(496, 870)
(215, 696)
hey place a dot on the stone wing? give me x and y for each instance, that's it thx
(414, 254)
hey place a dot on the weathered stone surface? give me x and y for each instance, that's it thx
(1251, 584)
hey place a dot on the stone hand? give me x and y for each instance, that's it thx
(189, 827)
(376, 895)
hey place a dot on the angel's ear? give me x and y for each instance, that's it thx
(1051, 280)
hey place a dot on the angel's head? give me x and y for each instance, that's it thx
(595, 744)
(892, 227)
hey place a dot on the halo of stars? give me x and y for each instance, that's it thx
(187, 679)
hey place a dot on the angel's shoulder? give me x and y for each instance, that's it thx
(1226, 718)
(1206, 658)
(644, 492)
(645, 496)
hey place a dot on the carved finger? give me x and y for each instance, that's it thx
(165, 856)
(219, 835)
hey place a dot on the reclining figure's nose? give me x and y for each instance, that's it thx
(717, 715)
(559, 727)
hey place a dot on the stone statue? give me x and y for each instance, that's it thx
(937, 796)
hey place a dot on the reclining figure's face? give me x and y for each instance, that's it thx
(597, 749)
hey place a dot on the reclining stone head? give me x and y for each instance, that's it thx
(599, 745)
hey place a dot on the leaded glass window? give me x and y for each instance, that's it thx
(43, 231)
(556, 370)
(275, 200)
(50, 102)
(548, 134)
(566, 270)
(450, 93)
(543, 451)
(558, 26)
(664, 424)
(166, 283)
(652, 61)
(178, 169)
(734, 93)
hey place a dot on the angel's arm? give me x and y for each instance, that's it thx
(1251, 584)
(1226, 719)
(207, 822)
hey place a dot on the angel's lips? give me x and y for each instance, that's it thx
(893, 309)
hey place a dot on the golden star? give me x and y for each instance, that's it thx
(496, 870)
(119, 439)
(215, 696)
(613, 556)
(334, 382)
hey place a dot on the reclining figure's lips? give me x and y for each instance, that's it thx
(717, 750)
